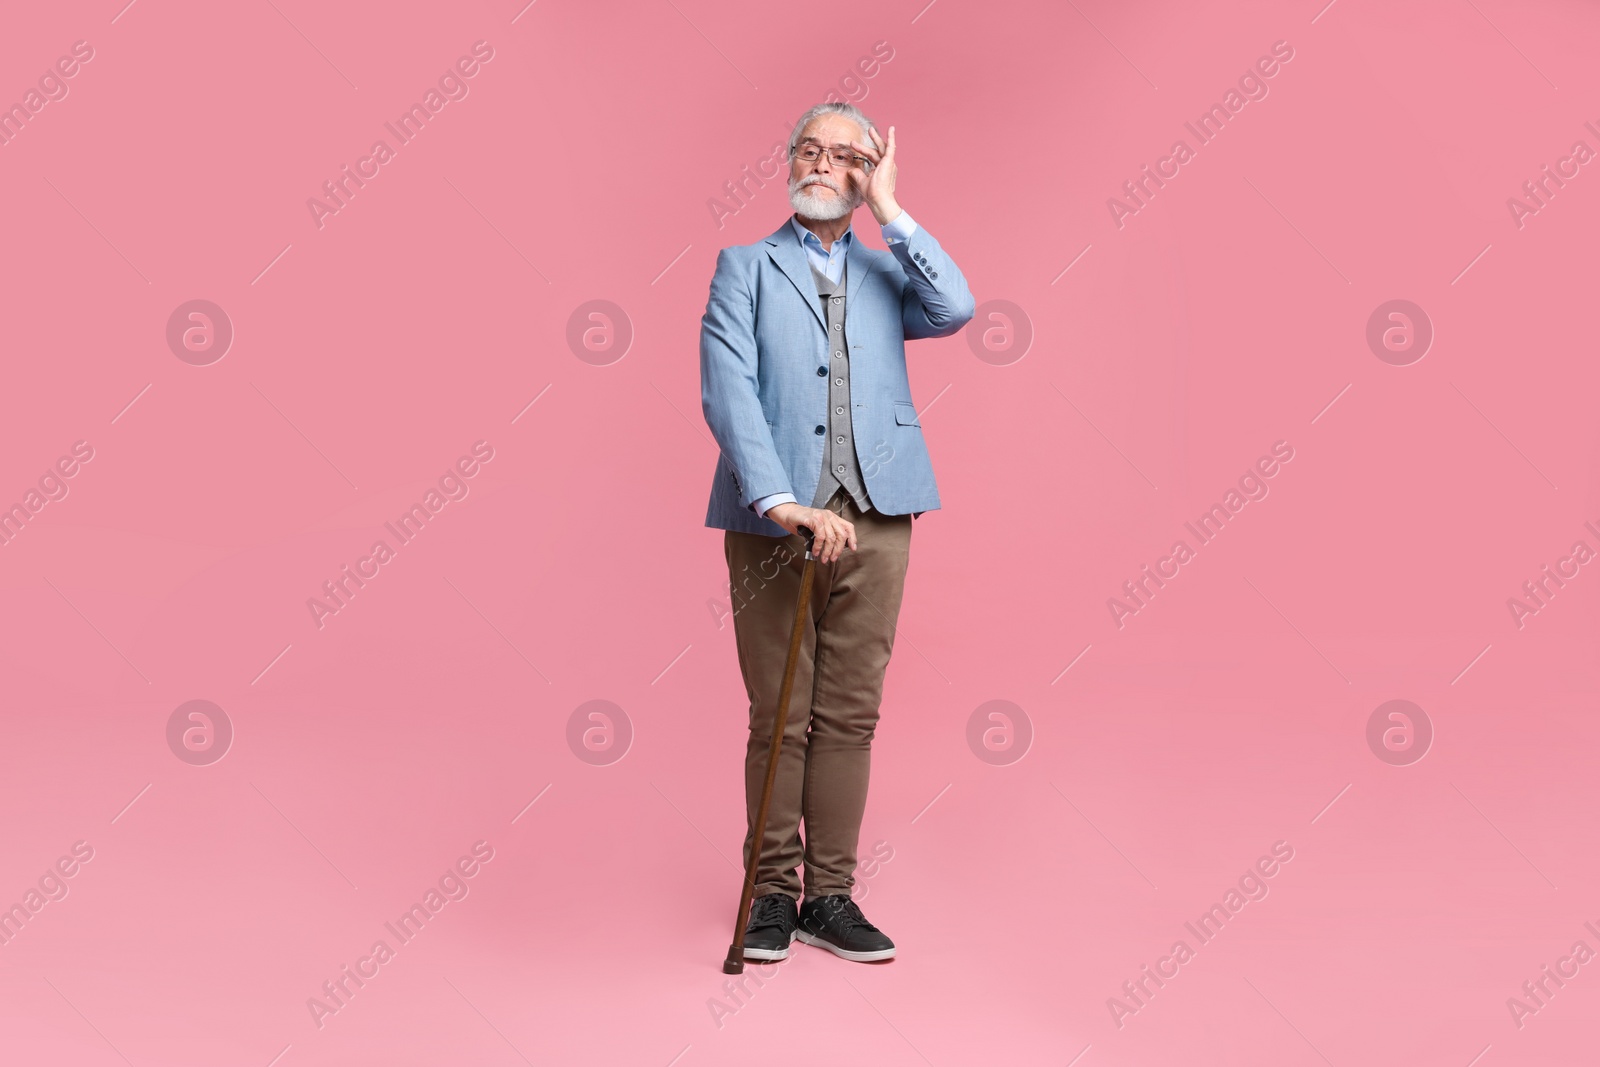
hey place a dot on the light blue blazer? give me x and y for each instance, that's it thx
(763, 339)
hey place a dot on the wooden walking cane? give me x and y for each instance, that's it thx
(734, 964)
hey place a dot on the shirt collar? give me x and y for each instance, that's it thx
(848, 237)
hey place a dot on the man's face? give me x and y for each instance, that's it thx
(822, 190)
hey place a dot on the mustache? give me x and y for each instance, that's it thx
(817, 179)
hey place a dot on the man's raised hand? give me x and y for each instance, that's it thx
(877, 188)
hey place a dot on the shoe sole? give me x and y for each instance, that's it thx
(844, 953)
(769, 953)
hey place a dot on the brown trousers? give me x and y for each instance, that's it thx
(838, 684)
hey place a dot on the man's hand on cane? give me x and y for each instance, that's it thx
(831, 533)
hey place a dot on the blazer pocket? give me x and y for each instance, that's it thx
(905, 414)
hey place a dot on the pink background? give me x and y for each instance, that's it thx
(1230, 713)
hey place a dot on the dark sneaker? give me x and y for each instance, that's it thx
(773, 920)
(835, 923)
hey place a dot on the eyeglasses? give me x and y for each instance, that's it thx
(841, 157)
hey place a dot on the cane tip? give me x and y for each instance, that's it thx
(734, 964)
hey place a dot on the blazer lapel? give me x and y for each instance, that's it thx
(784, 248)
(858, 264)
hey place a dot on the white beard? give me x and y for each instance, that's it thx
(812, 206)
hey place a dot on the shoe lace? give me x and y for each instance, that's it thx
(847, 913)
(772, 909)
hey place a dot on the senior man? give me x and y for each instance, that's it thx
(804, 386)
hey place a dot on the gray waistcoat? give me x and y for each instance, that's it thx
(839, 464)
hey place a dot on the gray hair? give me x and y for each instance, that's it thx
(849, 111)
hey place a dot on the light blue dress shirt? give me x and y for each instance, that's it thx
(831, 263)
